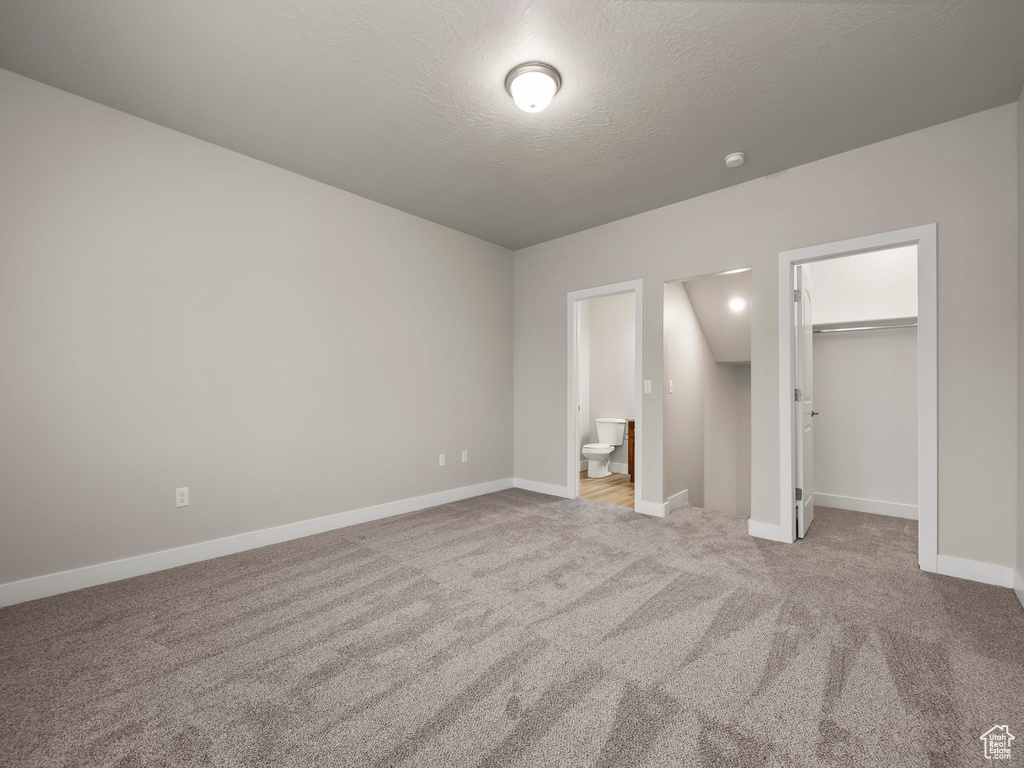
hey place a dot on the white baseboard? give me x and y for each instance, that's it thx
(677, 500)
(546, 488)
(975, 570)
(584, 465)
(115, 570)
(652, 508)
(1018, 586)
(890, 508)
(764, 530)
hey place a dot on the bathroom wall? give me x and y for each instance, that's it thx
(586, 424)
(176, 314)
(612, 365)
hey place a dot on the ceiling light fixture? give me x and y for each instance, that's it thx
(734, 159)
(533, 85)
(737, 304)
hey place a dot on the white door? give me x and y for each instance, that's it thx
(804, 402)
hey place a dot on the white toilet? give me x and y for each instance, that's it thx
(610, 433)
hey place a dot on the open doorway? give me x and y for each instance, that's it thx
(707, 392)
(858, 413)
(605, 394)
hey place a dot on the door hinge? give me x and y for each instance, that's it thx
(796, 295)
(798, 395)
(799, 494)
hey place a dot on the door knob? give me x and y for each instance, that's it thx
(814, 413)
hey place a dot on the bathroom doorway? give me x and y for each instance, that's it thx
(605, 394)
(706, 393)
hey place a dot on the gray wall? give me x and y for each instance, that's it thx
(587, 427)
(743, 439)
(707, 415)
(172, 313)
(1020, 345)
(954, 174)
(727, 438)
(687, 359)
(865, 436)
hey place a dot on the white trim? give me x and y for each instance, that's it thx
(872, 506)
(1018, 586)
(927, 375)
(651, 508)
(584, 465)
(677, 500)
(545, 488)
(115, 570)
(764, 530)
(572, 383)
(975, 570)
(661, 509)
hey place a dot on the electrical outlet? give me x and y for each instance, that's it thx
(440, 460)
(465, 456)
(181, 497)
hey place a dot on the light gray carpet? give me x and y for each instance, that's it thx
(519, 629)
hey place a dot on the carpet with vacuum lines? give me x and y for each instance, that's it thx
(517, 629)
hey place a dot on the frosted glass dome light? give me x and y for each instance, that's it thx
(533, 85)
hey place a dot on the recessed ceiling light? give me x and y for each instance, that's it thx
(737, 304)
(734, 159)
(533, 85)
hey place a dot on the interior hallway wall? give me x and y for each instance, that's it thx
(176, 314)
(612, 364)
(727, 437)
(743, 440)
(865, 436)
(707, 422)
(954, 175)
(687, 360)
(1020, 346)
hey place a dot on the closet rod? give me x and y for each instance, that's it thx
(867, 325)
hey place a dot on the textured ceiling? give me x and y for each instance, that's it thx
(727, 332)
(402, 101)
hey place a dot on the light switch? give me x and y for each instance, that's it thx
(647, 386)
(670, 386)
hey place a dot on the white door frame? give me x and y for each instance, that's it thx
(574, 297)
(925, 238)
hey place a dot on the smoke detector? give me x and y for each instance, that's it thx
(734, 159)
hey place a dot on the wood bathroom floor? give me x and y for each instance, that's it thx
(614, 489)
